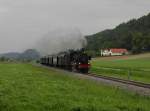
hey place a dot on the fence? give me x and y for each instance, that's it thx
(142, 75)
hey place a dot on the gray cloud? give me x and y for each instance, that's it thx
(22, 22)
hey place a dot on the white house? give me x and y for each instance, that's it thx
(114, 52)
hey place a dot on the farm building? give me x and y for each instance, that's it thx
(114, 52)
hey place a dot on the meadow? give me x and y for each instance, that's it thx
(135, 67)
(24, 87)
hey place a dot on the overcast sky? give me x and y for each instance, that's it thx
(22, 22)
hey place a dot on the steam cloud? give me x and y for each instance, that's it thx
(61, 40)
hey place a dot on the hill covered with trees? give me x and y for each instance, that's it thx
(27, 55)
(133, 35)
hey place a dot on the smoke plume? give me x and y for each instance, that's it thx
(61, 40)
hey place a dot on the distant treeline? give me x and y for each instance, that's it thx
(133, 35)
(28, 55)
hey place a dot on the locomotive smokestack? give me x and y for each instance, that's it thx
(61, 40)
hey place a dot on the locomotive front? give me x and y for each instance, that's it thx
(81, 62)
(84, 64)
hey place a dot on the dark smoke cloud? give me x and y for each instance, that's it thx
(61, 40)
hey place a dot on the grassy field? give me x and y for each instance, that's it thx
(136, 67)
(24, 87)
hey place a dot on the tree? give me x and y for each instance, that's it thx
(133, 35)
(3, 59)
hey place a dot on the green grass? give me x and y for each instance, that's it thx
(137, 67)
(24, 87)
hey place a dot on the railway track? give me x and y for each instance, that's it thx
(129, 82)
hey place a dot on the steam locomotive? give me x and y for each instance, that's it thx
(77, 61)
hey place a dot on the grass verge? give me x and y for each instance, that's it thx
(24, 87)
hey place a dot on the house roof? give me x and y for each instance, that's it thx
(116, 50)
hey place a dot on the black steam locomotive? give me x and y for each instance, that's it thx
(76, 61)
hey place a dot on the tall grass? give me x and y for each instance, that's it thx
(24, 87)
(133, 69)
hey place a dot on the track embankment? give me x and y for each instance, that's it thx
(137, 87)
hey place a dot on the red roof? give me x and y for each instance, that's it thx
(115, 50)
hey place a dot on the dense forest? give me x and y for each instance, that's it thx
(133, 35)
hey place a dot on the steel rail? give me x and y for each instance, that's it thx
(129, 82)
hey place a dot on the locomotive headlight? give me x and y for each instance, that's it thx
(79, 63)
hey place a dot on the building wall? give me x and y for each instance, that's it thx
(110, 53)
(105, 53)
(116, 54)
